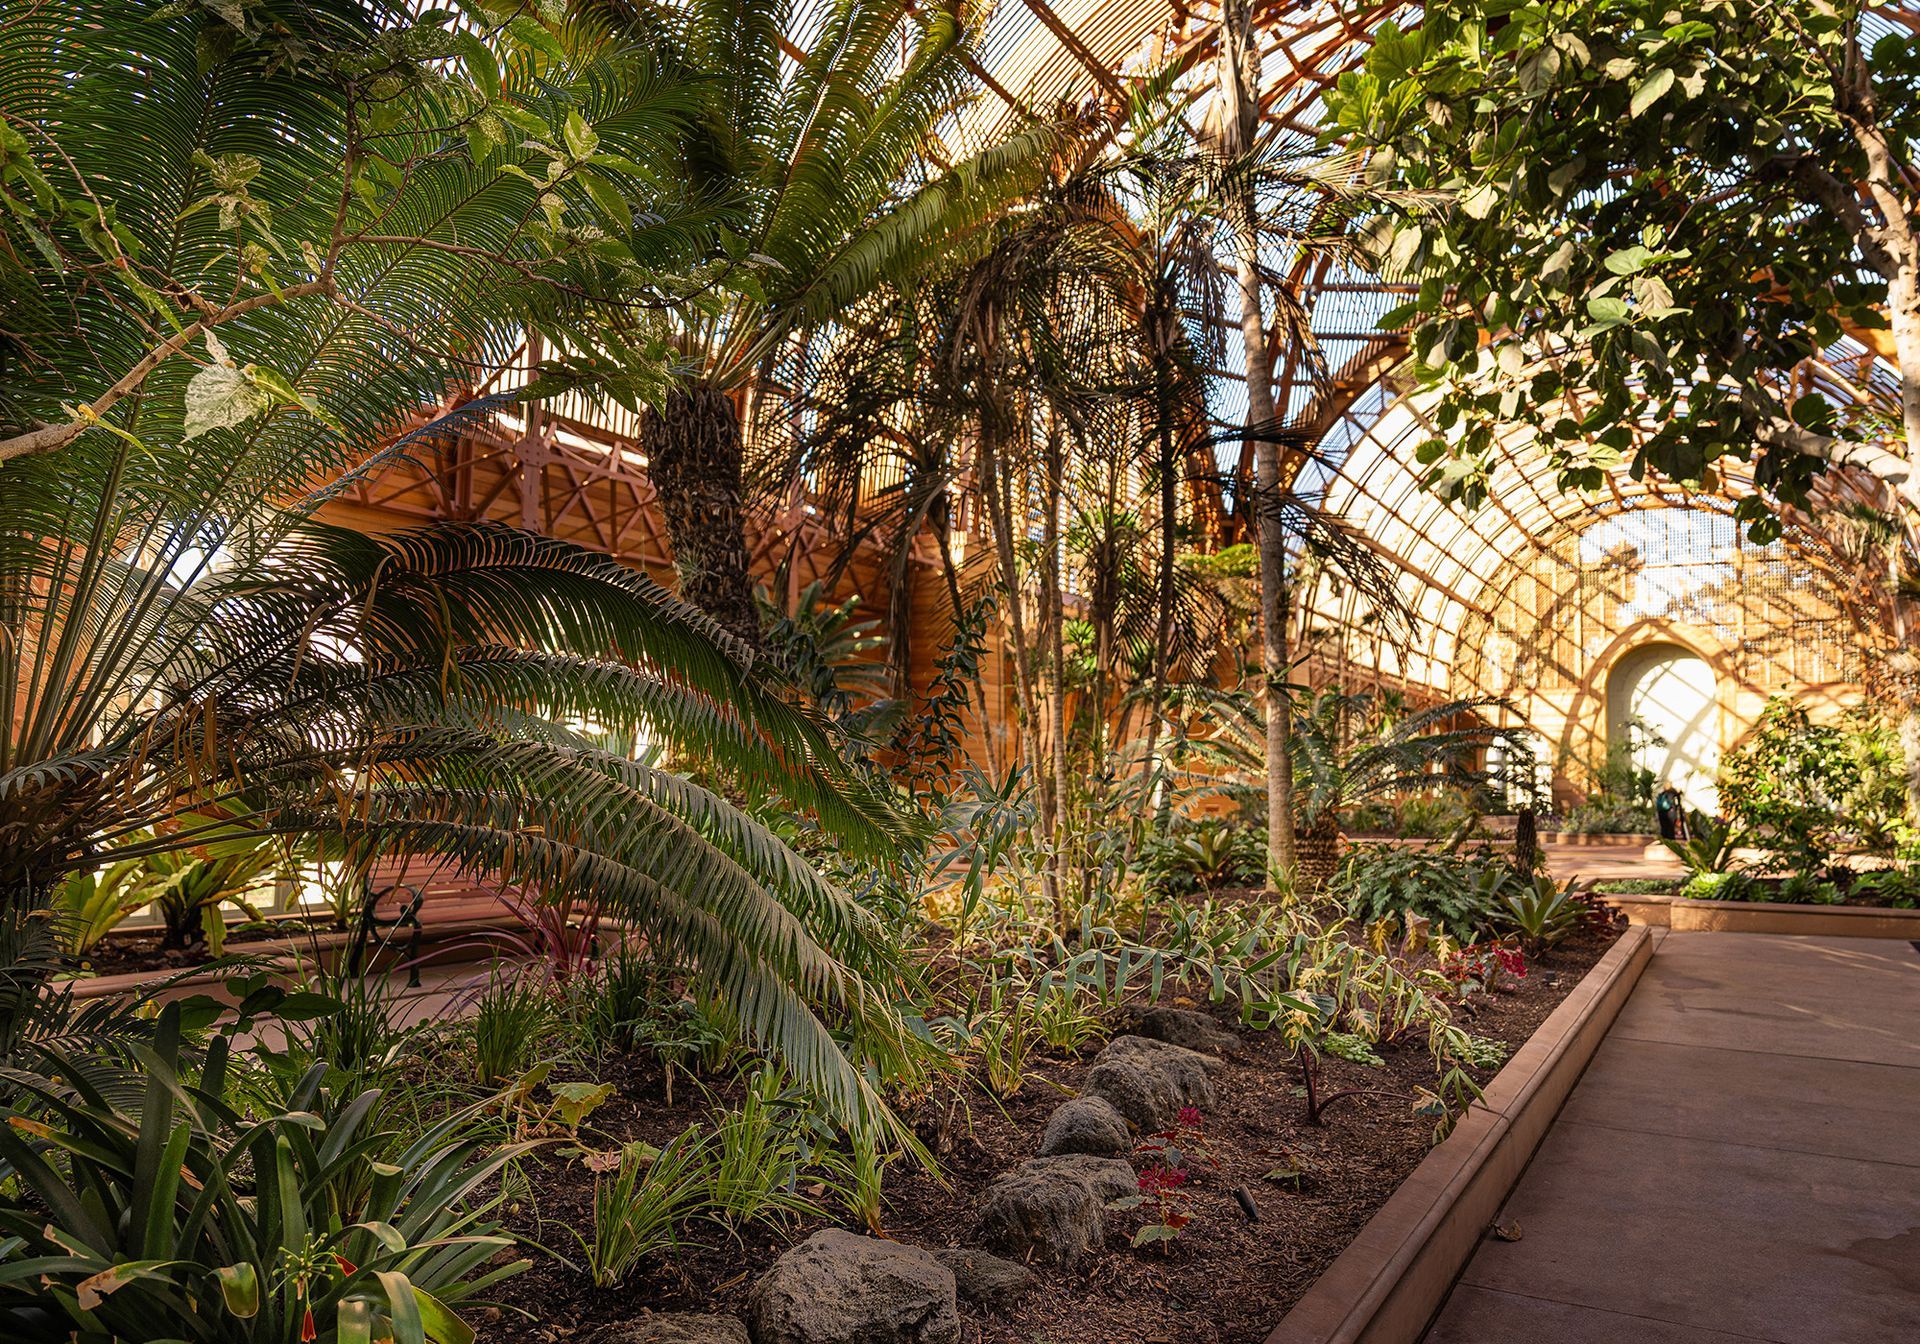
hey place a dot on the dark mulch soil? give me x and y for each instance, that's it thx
(1225, 1279)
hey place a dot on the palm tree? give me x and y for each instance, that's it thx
(186, 648)
(1279, 193)
(823, 159)
(1346, 751)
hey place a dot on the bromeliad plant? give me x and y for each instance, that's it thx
(189, 1219)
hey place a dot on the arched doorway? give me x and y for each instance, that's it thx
(1662, 704)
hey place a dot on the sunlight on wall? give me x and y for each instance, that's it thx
(1662, 701)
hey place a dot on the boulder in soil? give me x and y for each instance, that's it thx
(1086, 1125)
(1149, 1081)
(675, 1327)
(1053, 1209)
(838, 1288)
(987, 1281)
(1183, 1026)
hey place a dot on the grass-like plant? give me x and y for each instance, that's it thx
(510, 1019)
(756, 1154)
(640, 1206)
(1539, 912)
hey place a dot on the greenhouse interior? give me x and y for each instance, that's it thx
(917, 671)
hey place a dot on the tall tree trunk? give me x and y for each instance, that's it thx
(1904, 667)
(694, 457)
(1237, 125)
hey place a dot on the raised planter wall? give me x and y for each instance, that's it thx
(1602, 841)
(1387, 1285)
(1685, 914)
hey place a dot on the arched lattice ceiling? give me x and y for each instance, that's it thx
(1455, 569)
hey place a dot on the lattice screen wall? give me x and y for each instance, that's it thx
(1780, 620)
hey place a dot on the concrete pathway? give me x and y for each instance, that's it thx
(1740, 1162)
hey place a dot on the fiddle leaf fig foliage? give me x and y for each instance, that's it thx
(1659, 212)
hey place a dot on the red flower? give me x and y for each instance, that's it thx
(1157, 1180)
(1190, 1117)
(309, 1329)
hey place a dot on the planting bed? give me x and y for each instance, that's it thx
(1225, 1279)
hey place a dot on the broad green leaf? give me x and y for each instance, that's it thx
(221, 397)
(441, 1323)
(1628, 260)
(1609, 310)
(1650, 90)
(239, 1289)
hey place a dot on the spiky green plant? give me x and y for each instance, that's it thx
(186, 1218)
(247, 245)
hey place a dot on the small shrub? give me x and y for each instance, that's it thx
(694, 1036)
(1810, 889)
(1638, 886)
(1063, 1021)
(1166, 1161)
(188, 1218)
(755, 1156)
(1477, 967)
(612, 1009)
(1895, 887)
(858, 1176)
(1209, 855)
(1433, 816)
(1394, 882)
(1479, 1052)
(1605, 815)
(1708, 886)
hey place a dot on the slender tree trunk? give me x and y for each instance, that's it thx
(1236, 128)
(996, 492)
(694, 458)
(951, 573)
(1053, 598)
(1163, 624)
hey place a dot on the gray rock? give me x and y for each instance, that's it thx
(838, 1288)
(1149, 1081)
(675, 1327)
(1183, 1026)
(1086, 1125)
(1109, 1177)
(1053, 1209)
(987, 1281)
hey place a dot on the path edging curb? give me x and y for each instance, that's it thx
(1390, 1281)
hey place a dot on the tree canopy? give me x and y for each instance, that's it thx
(1659, 214)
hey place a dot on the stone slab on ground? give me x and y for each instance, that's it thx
(1053, 1209)
(839, 1288)
(984, 1279)
(1086, 1125)
(1149, 1081)
(676, 1327)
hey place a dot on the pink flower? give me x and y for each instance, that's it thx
(1190, 1117)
